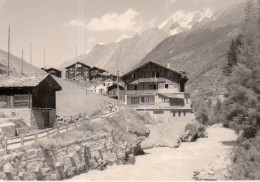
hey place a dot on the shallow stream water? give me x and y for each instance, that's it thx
(169, 163)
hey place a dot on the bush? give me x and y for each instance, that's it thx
(202, 117)
(193, 127)
(249, 132)
(193, 131)
(245, 165)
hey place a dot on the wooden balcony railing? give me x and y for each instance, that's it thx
(136, 92)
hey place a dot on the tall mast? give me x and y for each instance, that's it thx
(8, 56)
(22, 64)
(117, 78)
(76, 62)
(30, 52)
(44, 57)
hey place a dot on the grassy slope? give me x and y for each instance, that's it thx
(74, 99)
(16, 64)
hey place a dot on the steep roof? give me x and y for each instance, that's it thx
(50, 68)
(27, 81)
(77, 63)
(98, 68)
(144, 64)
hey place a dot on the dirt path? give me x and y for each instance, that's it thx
(169, 163)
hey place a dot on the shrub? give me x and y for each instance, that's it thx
(245, 165)
(193, 127)
(202, 117)
(249, 132)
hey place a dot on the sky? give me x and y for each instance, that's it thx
(66, 28)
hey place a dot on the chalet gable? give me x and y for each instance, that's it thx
(28, 82)
(98, 69)
(73, 65)
(153, 71)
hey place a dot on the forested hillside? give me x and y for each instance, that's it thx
(241, 108)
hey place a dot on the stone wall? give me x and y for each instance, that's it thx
(22, 113)
(167, 116)
(48, 163)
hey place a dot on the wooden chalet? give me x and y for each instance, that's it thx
(32, 99)
(116, 92)
(53, 71)
(98, 74)
(157, 89)
(78, 71)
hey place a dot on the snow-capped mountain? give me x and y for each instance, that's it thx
(128, 51)
(123, 37)
(181, 20)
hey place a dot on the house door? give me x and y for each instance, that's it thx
(46, 117)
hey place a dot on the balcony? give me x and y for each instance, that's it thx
(148, 80)
(163, 106)
(141, 92)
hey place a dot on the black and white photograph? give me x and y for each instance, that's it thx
(129, 90)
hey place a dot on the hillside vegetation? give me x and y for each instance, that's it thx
(240, 110)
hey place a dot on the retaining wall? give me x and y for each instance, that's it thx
(95, 152)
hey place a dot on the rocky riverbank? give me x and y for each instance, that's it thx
(170, 163)
(219, 169)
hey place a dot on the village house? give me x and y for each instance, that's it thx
(158, 90)
(30, 98)
(116, 92)
(98, 74)
(53, 71)
(78, 71)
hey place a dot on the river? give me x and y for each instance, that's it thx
(169, 163)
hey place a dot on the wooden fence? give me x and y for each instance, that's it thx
(25, 140)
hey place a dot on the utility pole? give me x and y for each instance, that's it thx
(8, 56)
(30, 52)
(22, 64)
(76, 62)
(117, 78)
(44, 57)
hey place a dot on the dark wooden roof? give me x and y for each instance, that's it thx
(98, 69)
(28, 82)
(144, 64)
(51, 68)
(77, 63)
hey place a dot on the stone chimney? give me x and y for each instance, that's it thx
(168, 65)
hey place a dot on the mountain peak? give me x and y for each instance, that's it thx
(123, 37)
(181, 20)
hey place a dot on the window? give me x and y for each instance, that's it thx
(158, 112)
(144, 99)
(133, 75)
(184, 113)
(135, 87)
(173, 113)
(166, 85)
(134, 100)
(179, 113)
(157, 75)
(187, 100)
(177, 102)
